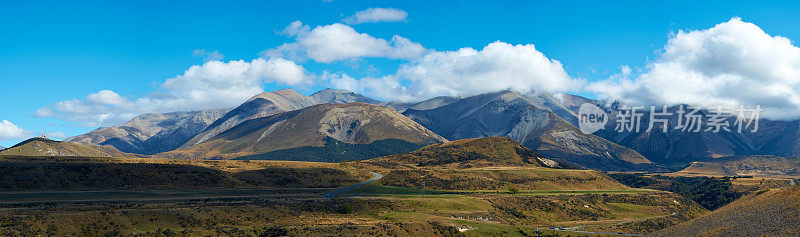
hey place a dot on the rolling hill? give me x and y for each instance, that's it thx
(315, 126)
(469, 153)
(530, 123)
(765, 213)
(483, 164)
(759, 165)
(706, 169)
(39, 146)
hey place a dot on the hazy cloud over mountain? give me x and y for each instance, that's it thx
(733, 63)
(497, 66)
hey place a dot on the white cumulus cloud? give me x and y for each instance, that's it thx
(497, 66)
(734, 63)
(10, 131)
(213, 84)
(338, 42)
(374, 15)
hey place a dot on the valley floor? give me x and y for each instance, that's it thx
(242, 204)
(370, 210)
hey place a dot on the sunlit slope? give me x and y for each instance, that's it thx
(352, 123)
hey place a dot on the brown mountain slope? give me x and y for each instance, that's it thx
(770, 213)
(151, 133)
(353, 123)
(469, 153)
(45, 147)
(259, 106)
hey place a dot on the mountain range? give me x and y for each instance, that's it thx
(530, 121)
(285, 124)
(352, 123)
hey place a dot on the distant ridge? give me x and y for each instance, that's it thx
(151, 133)
(156, 133)
(39, 146)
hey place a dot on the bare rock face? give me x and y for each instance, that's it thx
(259, 106)
(353, 123)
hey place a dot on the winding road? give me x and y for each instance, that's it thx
(331, 195)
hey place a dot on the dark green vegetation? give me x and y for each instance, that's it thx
(337, 151)
(709, 192)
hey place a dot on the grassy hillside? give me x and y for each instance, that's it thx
(707, 169)
(493, 214)
(45, 147)
(760, 165)
(69, 174)
(483, 164)
(500, 179)
(337, 151)
(767, 213)
(468, 153)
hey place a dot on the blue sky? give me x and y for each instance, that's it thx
(61, 51)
